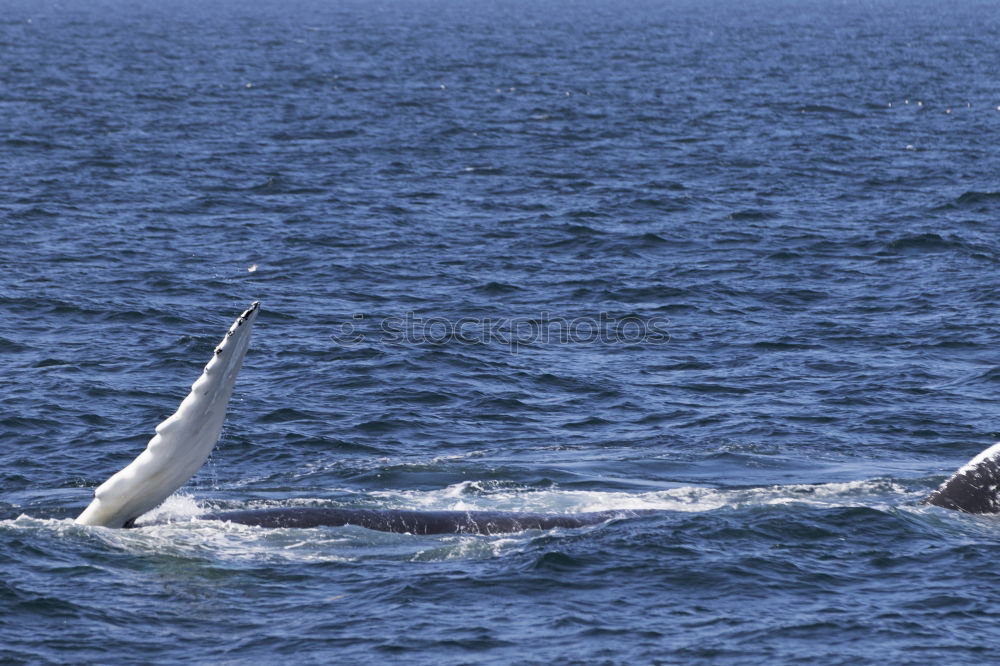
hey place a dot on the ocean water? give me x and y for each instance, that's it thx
(736, 261)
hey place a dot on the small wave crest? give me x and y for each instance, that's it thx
(972, 200)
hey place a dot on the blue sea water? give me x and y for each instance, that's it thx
(736, 261)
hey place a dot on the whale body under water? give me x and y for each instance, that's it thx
(184, 441)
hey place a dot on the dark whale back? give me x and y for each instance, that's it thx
(973, 488)
(418, 522)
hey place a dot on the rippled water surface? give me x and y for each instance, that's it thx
(732, 260)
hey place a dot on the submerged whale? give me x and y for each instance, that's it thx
(184, 441)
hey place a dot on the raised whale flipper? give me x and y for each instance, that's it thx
(182, 442)
(973, 488)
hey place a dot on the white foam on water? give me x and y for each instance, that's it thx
(177, 507)
(488, 496)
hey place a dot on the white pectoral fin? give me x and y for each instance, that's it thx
(182, 442)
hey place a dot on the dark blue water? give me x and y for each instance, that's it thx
(732, 260)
